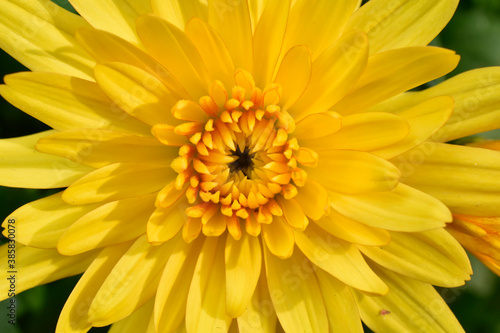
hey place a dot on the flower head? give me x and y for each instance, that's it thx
(236, 165)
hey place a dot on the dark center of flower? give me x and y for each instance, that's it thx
(244, 163)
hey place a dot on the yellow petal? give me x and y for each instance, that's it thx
(35, 267)
(206, 303)
(363, 131)
(98, 148)
(313, 198)
(279, 238)
(267, 40)
(106, 47)
(139, 321)
(303, 27)
(293, 213)
(172, 48)
(107, 183)
(22, 166)
(295, 293)
(394, 24)
(112, 223)
(424, 119)
(410, 306)
(428, 256)
(352, 231)
(477, 107)
(334, 73)
(212, 50)
(73, 318)
(132, 282)
(393, 72)
(165, 223)
(35, 32)
(223, 14)
(171, 297)
(115, 16)
(179, 12)
(243, 263)
(259, 316)
(45, 220)
(138, 93)
(64, 103)
(317, 125)
(466, 179)
(350, 171)
(339, 258)
(294, 74)
(340, 305)
(402, 209)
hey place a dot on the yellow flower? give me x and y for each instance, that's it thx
(245, 165)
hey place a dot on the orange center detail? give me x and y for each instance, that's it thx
(237, 159)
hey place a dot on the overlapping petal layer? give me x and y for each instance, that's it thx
(250, 166)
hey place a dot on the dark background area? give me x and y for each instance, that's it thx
(474, 32)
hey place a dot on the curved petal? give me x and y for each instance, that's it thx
(343, 315)
(112, 223)
(295, 293)
(139, 321)
(172, 294)
(350, 171)
(466, 179)
(39, 34)
(106, 47)
(65, 102)
(367, 131)
(23, 166)
(45, 220)
(179, 12)
(259, 316)
(74, 316)
(115, 16)
(402, 209)
(477, 104)
(294, 74)
(410, 305)
(243, 264)
(165, 223)
(313, 198)
(425, 119)
(235, 14)
(268, 39)
(334, 73)
(392, 24)
(352, 231)
(340, 259)
(278, 236)
(39, 266)
(392, 72)
(172, 48)
(206, 303)
(137, 92)
(132, 282)
(107, 183)
(303, 27)
(212, 50)
(98, 148)
(318, 125)
(429, 256)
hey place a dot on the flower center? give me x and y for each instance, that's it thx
(237, 158)
(244, 162)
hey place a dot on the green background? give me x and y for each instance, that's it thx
(474, 32)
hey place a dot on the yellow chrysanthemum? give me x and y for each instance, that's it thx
(246, 165)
